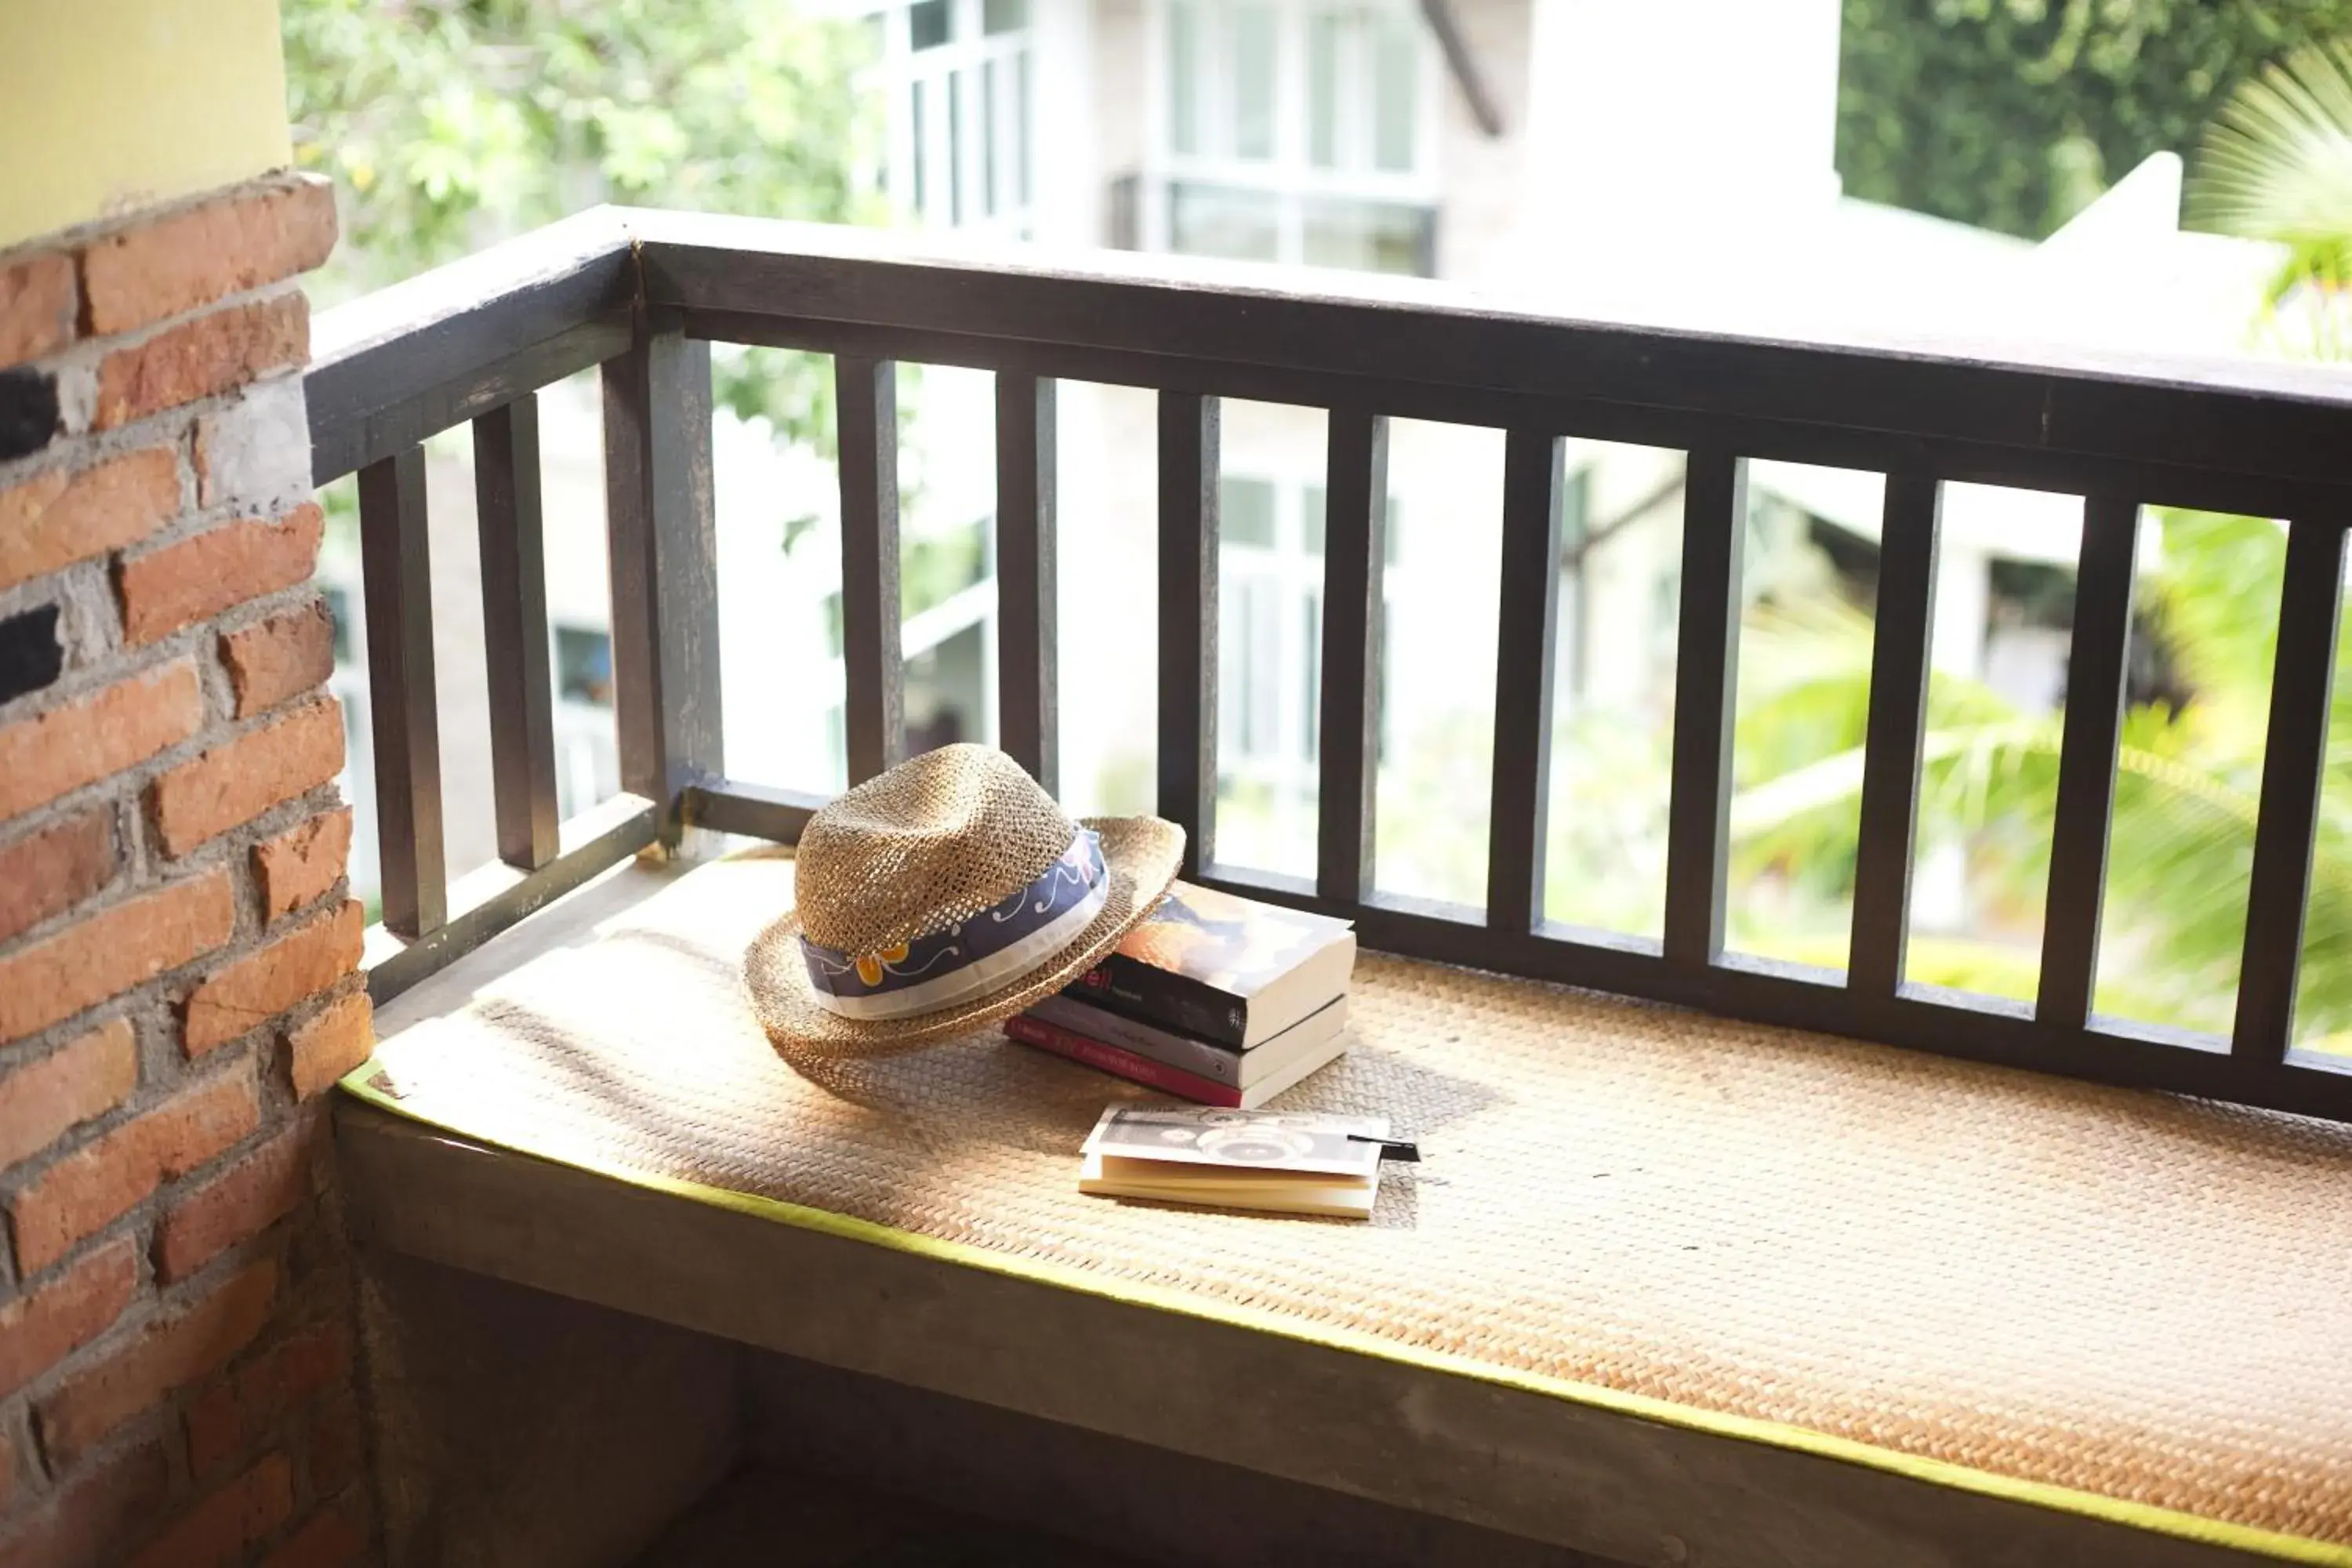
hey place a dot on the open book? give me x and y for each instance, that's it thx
(1286, 1162)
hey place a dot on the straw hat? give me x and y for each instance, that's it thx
(942, 896)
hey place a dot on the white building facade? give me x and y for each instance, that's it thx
(1650, 159)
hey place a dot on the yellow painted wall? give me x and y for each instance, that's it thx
(111, 105)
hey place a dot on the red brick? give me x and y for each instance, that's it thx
(302, 862)
(315, 1359)
(337, 1446)
(192, 256)
(215, 1430)
(196, 359)
(217, 1532)
(48, 872)
(110, 952)
(252, 1401)
(240, 1202)
(107, 1175)
(39, 1328)
(93, 1514)
(333, 1044)
(44, 756)
(264, 983)
(237, 781)
(333, 1538)
(183, 583)
(59, 517)
(170, 1353)
(87, 1078)
(282, 657)
(37, 306)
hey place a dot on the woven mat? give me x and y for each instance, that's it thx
(1880, 1254)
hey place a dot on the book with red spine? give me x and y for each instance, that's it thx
(1121, 1062)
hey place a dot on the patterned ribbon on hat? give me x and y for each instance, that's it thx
(972, 957)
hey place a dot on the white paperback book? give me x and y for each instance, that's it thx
(1282, 1161)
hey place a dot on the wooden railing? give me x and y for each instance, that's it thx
(643, 294)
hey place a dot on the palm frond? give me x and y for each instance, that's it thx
(2277, 165)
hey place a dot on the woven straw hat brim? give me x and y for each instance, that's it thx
(1140, 854)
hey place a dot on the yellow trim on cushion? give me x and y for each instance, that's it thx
(1776, 1434)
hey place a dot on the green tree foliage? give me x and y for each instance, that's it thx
(449, 124)
(2189, 777)
(2277, 166)
(2013, 114)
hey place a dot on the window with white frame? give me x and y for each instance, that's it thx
(1295, 131)
(955, 75)
(1270, 647)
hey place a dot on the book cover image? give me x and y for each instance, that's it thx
(1261, 1140)
(1233, 944)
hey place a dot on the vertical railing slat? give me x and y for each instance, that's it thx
(662, 536)
(395, 560)
(1525, 636)
(2295, 753)
(1898, 709)
(1027, 718)
(514, 631)
(2096, 655)
(1706, 672)
(1355, 545)
(1187, 621)
(867, 401)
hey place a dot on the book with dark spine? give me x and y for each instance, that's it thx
(1219, 1064)
(1229, 971)
(1122, 1063)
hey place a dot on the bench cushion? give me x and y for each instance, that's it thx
(2106, 1302)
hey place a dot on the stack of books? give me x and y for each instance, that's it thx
(1284, 1162)
(1210, 998)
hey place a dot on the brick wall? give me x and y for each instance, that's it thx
(177, 947)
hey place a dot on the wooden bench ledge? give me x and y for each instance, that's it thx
(1669, 1290)
(1525, 1463)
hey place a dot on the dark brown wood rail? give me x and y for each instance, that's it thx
(643, 294)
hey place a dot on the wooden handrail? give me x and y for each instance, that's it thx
(643, 293)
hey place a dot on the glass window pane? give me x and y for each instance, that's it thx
(1021, 132)
(988, 138)
(1394, 53)
(1003, 16)
(1184, 77)
(955, 147)
(1245, 508)
(1370, 236)
(1253, 81)
(1310, 521)
(1323, 91)
(1311, 701)
(918, 140)
(1215, 220)
(929, 23)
